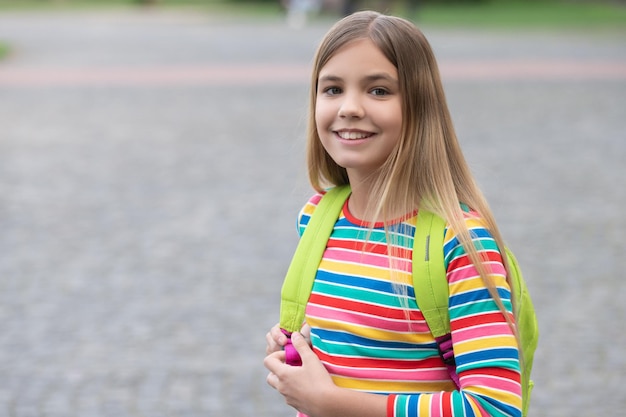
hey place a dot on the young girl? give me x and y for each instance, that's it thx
(379, 122)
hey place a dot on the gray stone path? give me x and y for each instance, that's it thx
(145, 229)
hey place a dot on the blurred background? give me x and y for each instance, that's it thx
(152, 167)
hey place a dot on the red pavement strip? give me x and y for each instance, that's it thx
(255, 74)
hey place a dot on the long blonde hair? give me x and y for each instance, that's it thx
(427, 168)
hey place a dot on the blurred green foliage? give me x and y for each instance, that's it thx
(592, 14)
(4, 50)
(529, 13)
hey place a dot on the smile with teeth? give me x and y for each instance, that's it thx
(353, 135)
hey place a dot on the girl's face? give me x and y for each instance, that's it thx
(358, 111)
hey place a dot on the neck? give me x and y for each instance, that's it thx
(360, 198)
(357, 204)
(361, 203)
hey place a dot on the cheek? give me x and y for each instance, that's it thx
(322, 117)
(393, 119)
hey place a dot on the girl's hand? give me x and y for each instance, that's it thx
(304, 387)
(276, 340)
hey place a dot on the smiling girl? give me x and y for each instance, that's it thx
(380, 124)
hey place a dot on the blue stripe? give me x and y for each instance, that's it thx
(497, 408)
(480, 294)
(343, 222)
(342, 337)
(477, 233)
(467, 407)
(412, 405)
(487, 355)
(360, 282)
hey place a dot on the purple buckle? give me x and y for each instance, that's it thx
(292, 357)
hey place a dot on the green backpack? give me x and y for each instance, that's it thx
(429, 281)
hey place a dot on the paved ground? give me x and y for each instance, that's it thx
(141, 251)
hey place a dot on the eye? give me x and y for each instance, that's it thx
(332, 90)
(379, 91)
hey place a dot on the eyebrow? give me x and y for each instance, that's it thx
(369, 78)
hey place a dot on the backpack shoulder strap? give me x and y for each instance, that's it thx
(431, 286)
(431, 289)
(303, 268)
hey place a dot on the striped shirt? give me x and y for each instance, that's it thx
(368, 330)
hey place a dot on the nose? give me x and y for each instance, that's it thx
(351, 106)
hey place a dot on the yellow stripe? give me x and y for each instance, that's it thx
(393, 386)
(484, 343)
(371, 333)
(369, 271)
(475, 222)
(503, 396)
(424, 405)
(308, 209)
(475, 408)
(467, 284)
(352, 269)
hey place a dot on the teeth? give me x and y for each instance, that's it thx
(353, 135)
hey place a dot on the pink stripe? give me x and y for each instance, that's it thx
(315, 199)
(480, 407)
(414, 375)
(365, 258)
(470, 272)
(510, 387)
(473, 333)
(435, 405)
(363, 320)
(462, 274)
(496, 268)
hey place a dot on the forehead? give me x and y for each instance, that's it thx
(358, 56)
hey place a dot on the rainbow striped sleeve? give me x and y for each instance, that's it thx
(307, 211)
(485, 348)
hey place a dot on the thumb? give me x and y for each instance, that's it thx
(301, 345)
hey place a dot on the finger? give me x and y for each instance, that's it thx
(301, 345)
(271, 346)
(274, 361)
(306, 332)
(275, 339)
(272, 380)
(279, 337)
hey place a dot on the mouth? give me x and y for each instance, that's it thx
(353, 135)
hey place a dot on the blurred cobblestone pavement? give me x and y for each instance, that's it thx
(147, 214)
